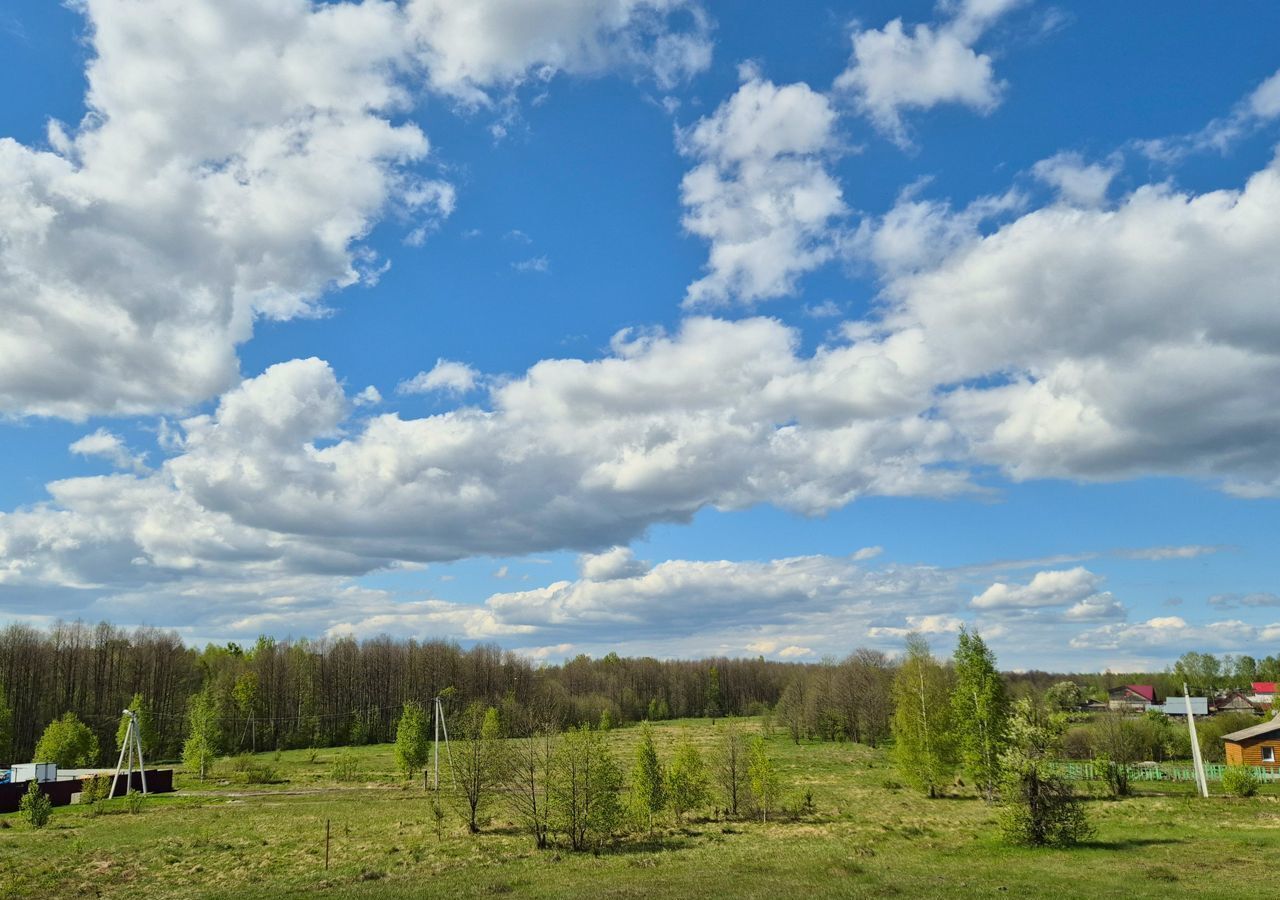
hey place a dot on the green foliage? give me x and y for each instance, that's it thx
(68, 742)
(658, 709)
(146, 725)
(606, 720)
(1040, 808)
(1064, 695)
(479, 760)
(35, 805)
(1118, 742)
(201, 747)
(731, 769)
(247, 769)
(95, 788)
(924, 749)
(585, 781)
(1239, 781)
(766, 782)
(686, 779)
(345, 768)
(981, 713)
(134, 801)
(413, 739)
(647, 794)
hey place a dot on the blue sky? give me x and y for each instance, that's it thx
(667, 327)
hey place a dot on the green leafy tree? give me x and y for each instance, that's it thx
(731, 769)
(687, 780)
(923, 747)
(201, 746)
(766, 782)
(1064, 695)
(478, 764)
(146, 725)
(413, 739)
(584, 789)
(68, 742)
(647, 794)
(35, 805)
(981, 713)
(1040, 807)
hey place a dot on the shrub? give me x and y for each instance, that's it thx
(1239, 781)
(413, 739)
(95, 788)
(134, 801)
(345, 767)
(35, 805)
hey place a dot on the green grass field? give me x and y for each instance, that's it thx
(867, 838)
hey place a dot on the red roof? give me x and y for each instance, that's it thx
(1146, 690)
(1264, 687)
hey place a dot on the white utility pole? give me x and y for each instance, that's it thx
(1202, 783)
(132, 744)
(441, 725)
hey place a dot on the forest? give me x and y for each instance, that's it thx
(289, 694)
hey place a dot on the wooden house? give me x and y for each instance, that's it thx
(1255, 746)
(1131, 698)
(1235, 701)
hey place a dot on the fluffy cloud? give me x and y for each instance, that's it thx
(470, 48)
(895, 69)
(761, 194)
(612, 564)
(1056, 588)
(1079, 183)
(446, 375)
(1102, 342)
(280, 479)
(233, 156)
(111, 447)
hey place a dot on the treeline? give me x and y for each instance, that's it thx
(333, 692)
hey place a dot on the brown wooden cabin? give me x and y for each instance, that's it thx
(1255, 746)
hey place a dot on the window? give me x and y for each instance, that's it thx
(1269, 754)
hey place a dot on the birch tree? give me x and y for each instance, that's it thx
(923, 745)
(981, 714)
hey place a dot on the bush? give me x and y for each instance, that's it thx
(1239, 781)
(134, 801)
(345, 768)
(1041, 810)
(248, 770)
(95, 788)
(35, 805)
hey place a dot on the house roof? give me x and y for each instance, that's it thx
(1255, 731)
(1145, 691)
(1177, 706)
(1264, 687)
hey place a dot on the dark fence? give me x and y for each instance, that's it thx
(159, 781)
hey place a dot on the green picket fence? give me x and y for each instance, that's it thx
(1091, 771)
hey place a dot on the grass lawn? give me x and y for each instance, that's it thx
(867, 838)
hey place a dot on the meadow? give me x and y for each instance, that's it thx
(864, 836)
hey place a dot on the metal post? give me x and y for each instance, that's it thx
(326, 845)
(435, 714)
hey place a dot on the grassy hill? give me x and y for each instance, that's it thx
(865, 837)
